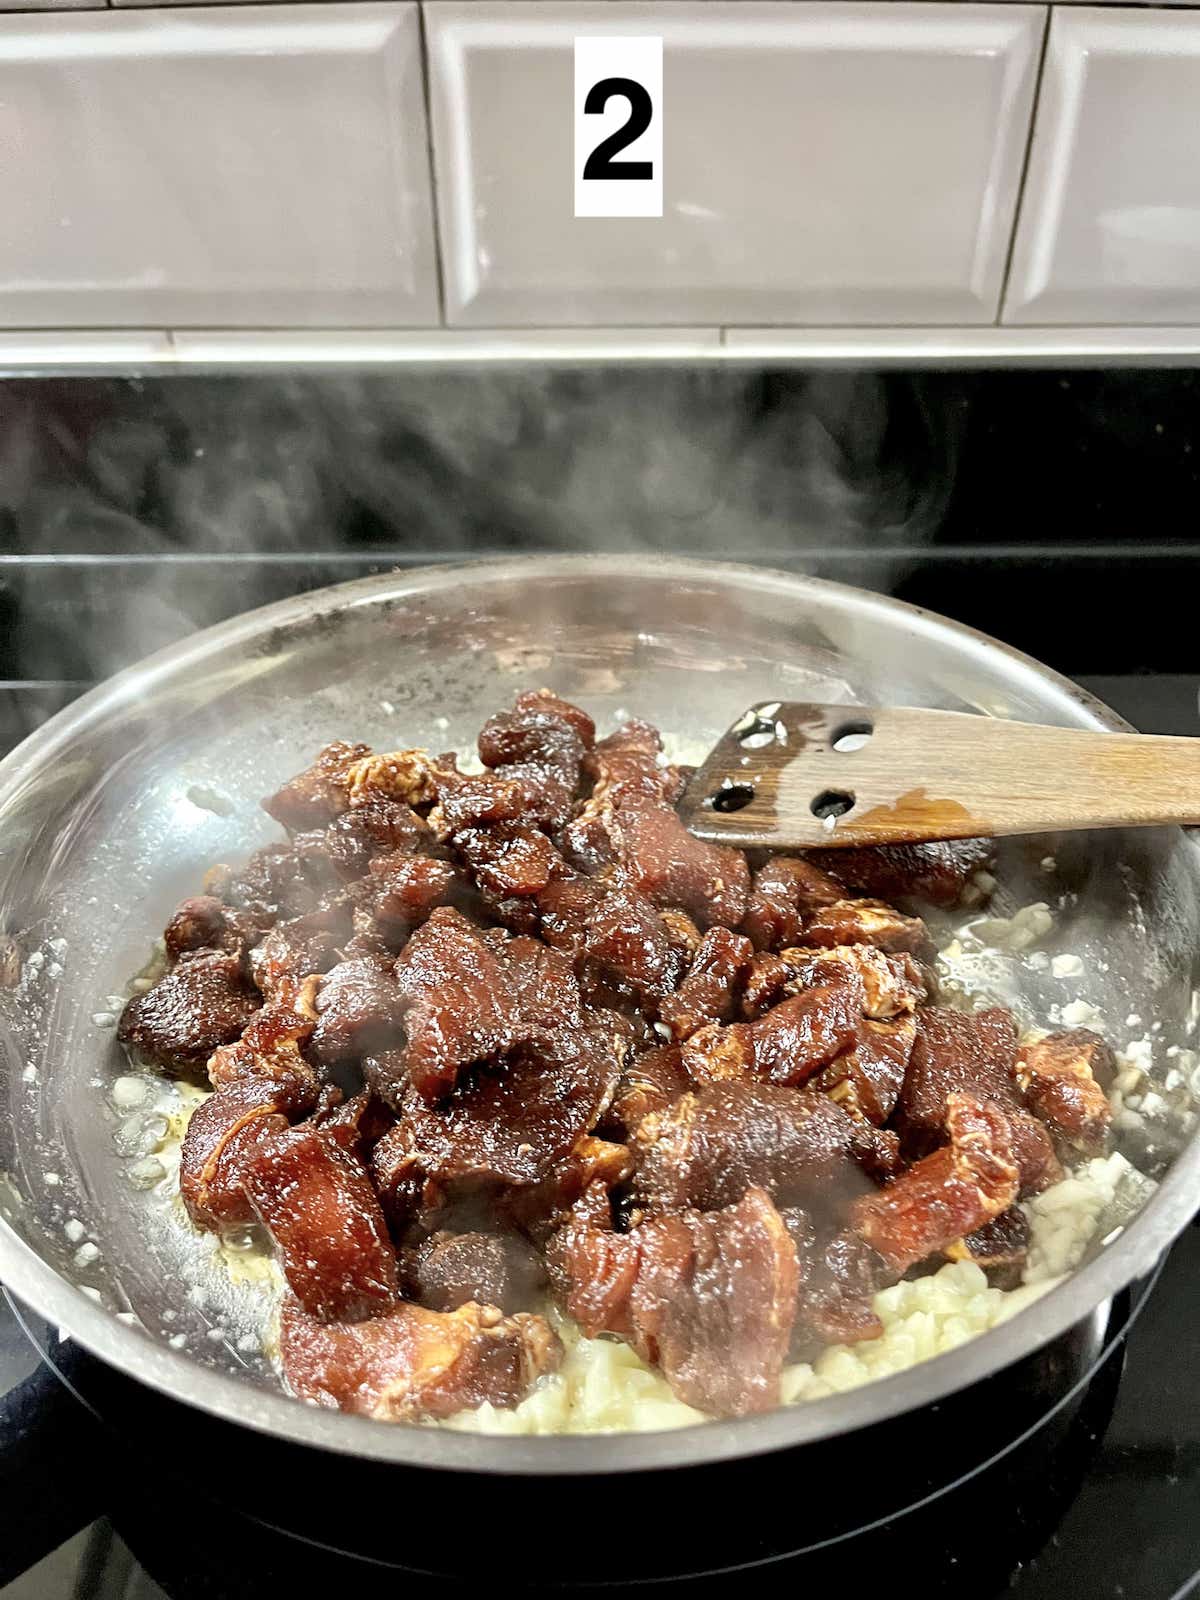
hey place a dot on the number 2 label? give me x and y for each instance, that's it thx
(618, 127)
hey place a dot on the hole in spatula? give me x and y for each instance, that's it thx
(851, 736)
(831, 803)
(732, 796)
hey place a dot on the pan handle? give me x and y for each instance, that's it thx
(49, 1454)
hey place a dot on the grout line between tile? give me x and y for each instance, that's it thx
(1047, 24)
(435, 204)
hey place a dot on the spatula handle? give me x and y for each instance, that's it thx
(892, 774)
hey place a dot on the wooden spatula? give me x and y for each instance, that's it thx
(791, 775)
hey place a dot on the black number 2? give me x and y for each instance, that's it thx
(641, 109)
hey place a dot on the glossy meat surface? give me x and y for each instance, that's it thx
(412, 1362)
(710, 1146)
(787, 891)
(204, 1001)
(223, 1138)
(939, 872)
(951, 1193)
(954, 1053)
(1065, 1078)
(796, 1038)
(710, 1298)
(449, 1270)
(317, 1204)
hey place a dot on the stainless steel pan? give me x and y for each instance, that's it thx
(114, 809)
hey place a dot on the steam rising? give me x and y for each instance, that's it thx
(325, 477)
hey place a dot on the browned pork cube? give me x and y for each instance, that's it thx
(708, 992)
(204, 1001)
(412, 1362)
(787, 890)
(450, 1269)
(792, 1041)
(954, 1053)
(318, 1206)
(1065, 1078)
(870, 922)
(937, 870)
(710, 1298)
(797, 1145)
(951, 1193)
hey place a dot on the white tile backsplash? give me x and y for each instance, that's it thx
(824, 163)
(1110, 220)
(263, 165)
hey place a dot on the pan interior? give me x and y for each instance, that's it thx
(110, 815)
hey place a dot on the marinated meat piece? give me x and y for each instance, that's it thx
(317, 795)
(593, 1269)
(278, 881)
(662, 860)
(710, 1298)
(766, 981)
(794, 1040)
(271, 1045)
(546, 998)
(294, 950)
(1064, 1079)
(951, 1193)
(937, 871)
(510, 858)
(869, 922)
(594, 1165)
(223, 1137)
(358, 1011)
(839, 1275)
(516, 913)
(404, 890)
(652, 1081)
(892, 985)
(1000, 1247)
(954, 1052)
(541, 729)
(627, 769)
(412, 1363)
(204, 923)
(866, 1079)
(612, 935)
(541, 742)
(628, 945)
(318, 1206)
(450, 1269)
(1033, 1151)
(708, 992)
(787, 890)
(380, 826)
(205, 1000)
(505, 1124)
(681, 931)
(386, 1076)
(457, 1003)
(467, 800)
(358, 1124)
(709, 1147)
